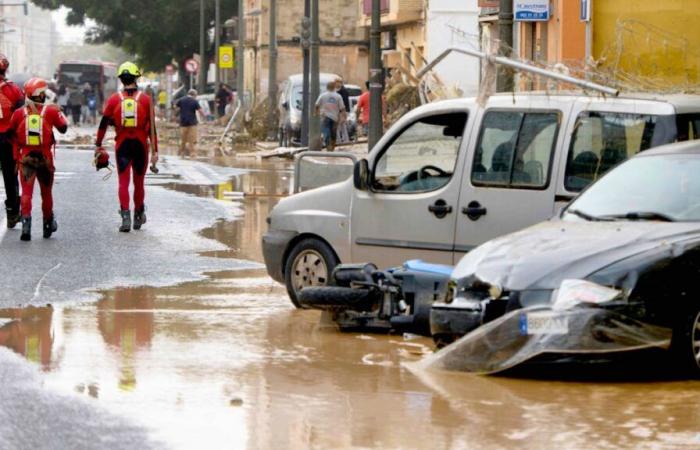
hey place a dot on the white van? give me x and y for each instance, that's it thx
(451, 175)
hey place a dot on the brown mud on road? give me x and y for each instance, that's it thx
(228, 363)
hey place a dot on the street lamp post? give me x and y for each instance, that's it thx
(240, 58)
(202, 50)
(217, 43)
(314, 89)
(376, 73)
(272, 75)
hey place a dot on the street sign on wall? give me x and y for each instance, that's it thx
(226, 57)
(585, 10)
(531, 10)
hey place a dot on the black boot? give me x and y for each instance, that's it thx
(126, 221)
(26, 228)
(139, 218)
(13, 216)
(50, 226)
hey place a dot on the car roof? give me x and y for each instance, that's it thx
(677, 148)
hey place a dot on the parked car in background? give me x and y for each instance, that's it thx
(354, 93)
(616, 271)
(451, 175)
(291, 104)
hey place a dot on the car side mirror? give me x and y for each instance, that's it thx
(360, 176)
(285, 105)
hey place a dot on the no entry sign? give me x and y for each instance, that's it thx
(191, 66)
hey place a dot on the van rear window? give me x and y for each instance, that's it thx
(601, 140)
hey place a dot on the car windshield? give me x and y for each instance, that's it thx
(658, 187)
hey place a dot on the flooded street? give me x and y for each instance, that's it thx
(227, 362)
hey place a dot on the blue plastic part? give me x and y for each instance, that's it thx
(420, 266)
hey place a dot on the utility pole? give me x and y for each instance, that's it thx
(217, 42)
(240, 57)
(305, 108)
(504, 82)
(376, 81)
(272, 74)
(314, 89)
(202, 51)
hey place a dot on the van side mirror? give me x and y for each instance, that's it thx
(360, 176)
(285, 105)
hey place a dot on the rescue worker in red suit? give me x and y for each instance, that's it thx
(131, 113)
(11, 99)
(31, 128)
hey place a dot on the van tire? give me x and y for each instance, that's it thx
(310, 263)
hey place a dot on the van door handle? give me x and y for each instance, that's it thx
(474, 210)
(440, 208)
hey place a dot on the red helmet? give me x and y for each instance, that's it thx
(101, 158)
(4, 63)
(34, 87)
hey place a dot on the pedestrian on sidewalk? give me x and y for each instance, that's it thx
(11, 99)
(329, 106)
(76, 99)
(223, 98)
(189, 107)
(32, 134)
(343, 136)
(62, 98)
(132, 114)
(162, 101)
(362, 110)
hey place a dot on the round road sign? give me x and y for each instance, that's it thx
(191, 65)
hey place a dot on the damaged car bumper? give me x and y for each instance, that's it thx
(523, 334)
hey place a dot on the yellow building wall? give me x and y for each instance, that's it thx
(658, 40)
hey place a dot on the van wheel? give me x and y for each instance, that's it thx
(310, 263)
(686, 343)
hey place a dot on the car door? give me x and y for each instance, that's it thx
(508, 180)
(409, 209)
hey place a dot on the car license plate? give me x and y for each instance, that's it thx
(543, 322)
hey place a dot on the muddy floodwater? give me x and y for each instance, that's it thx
(229, 363)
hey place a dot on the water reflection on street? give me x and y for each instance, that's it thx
(228, 363)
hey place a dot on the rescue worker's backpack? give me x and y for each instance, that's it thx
(34, 126)
(130, 110)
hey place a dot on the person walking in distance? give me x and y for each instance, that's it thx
(31, 128)
(131, 113)
(329, 106)
(11, 99)
(343, 135)
(189, 107)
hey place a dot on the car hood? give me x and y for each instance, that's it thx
(541, 256)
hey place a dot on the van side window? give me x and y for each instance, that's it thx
(601, 140)
(422, 157)
(515, 149)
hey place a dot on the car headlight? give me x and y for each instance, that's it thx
(575, 292)
(294, 119)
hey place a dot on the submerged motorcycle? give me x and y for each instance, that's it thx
(361, 297)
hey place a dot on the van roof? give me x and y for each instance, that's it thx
(682, 103)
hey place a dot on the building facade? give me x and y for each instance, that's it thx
(29, 41)
(343, 48)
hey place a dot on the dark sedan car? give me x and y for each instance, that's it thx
(616, 271)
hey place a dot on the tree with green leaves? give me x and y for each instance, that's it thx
(156, 31)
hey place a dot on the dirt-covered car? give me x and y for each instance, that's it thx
(617, 270)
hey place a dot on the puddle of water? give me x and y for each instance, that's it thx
(227, 362)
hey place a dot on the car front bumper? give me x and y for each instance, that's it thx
(274, 247)
(507, 341)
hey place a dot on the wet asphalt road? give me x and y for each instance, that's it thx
(226, 362)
